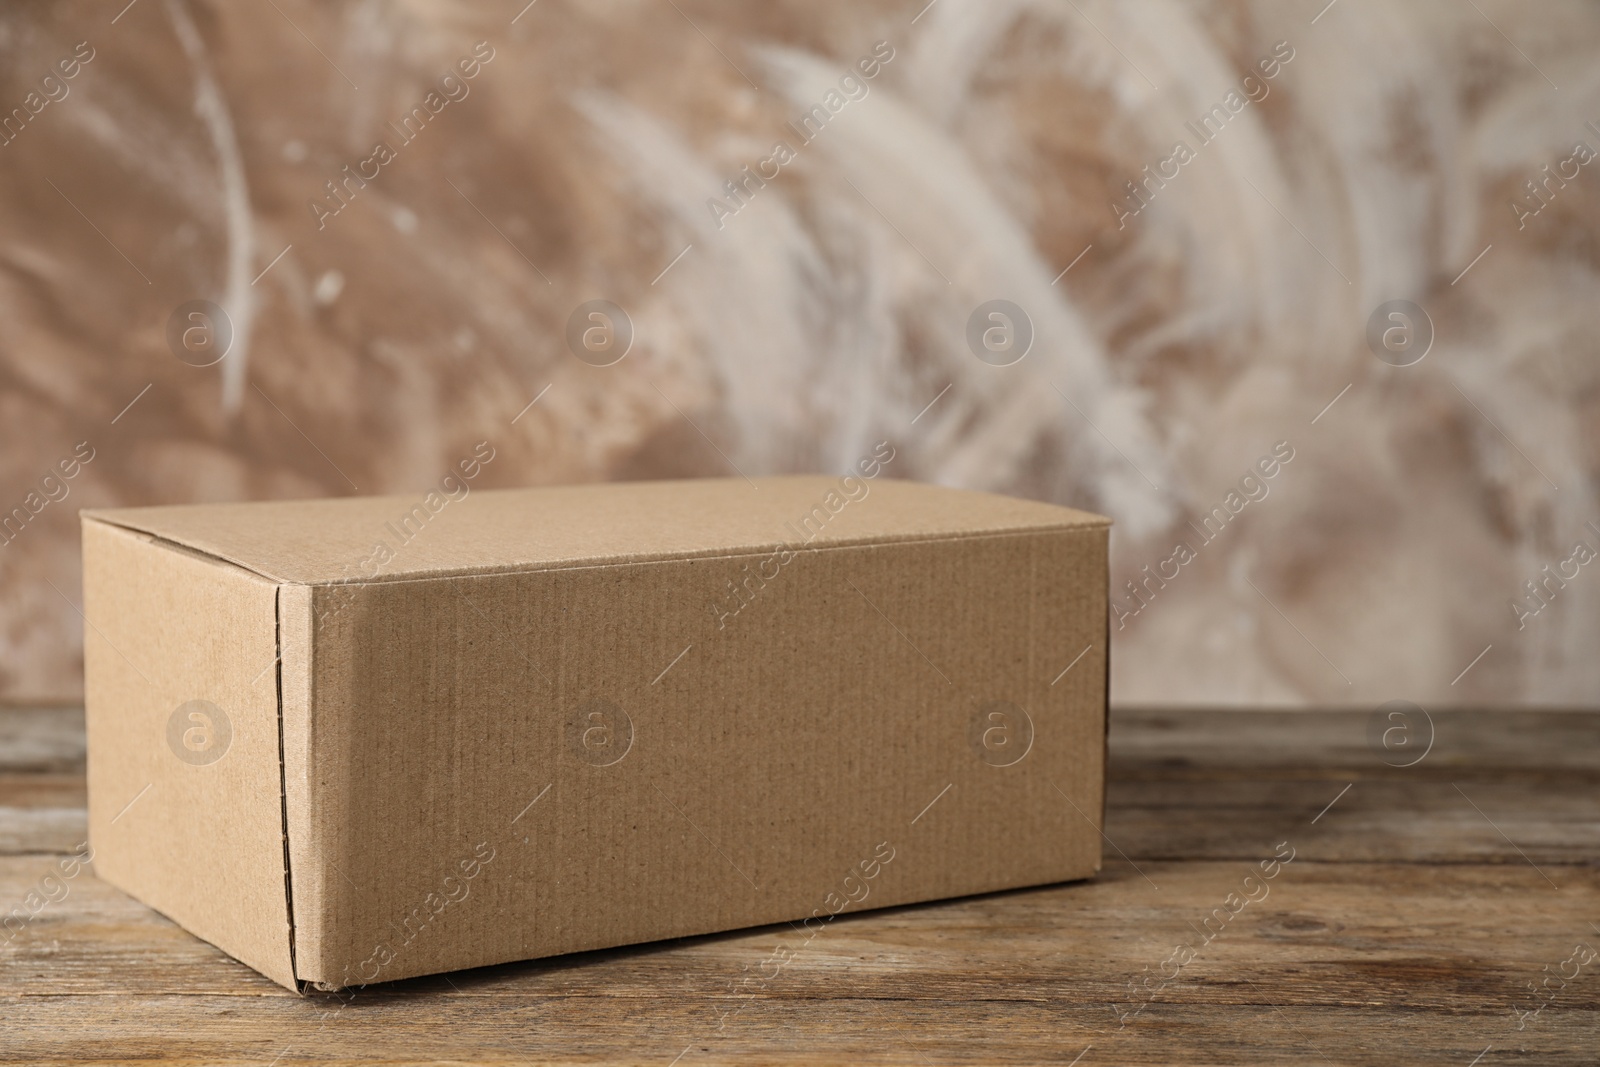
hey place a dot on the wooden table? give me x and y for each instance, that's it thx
(1421, 905)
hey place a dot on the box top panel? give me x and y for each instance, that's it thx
(432, 534)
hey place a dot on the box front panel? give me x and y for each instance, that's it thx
(520, 765)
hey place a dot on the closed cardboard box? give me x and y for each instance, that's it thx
(350, 741)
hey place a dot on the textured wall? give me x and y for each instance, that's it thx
(1305, 166)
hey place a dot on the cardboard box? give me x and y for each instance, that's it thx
(349, 741)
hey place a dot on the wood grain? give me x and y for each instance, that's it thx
(1417, 909)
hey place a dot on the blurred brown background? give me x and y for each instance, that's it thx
(1386, 157)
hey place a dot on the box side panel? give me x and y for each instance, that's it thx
(181, 694)
(527, 764)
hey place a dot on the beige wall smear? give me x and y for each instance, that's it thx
(1386, 156)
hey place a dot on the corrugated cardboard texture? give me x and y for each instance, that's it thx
(200, 843)
(502, 749)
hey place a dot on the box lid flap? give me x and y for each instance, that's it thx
(435, 535)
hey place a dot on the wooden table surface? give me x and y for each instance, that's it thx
(1422, 907)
